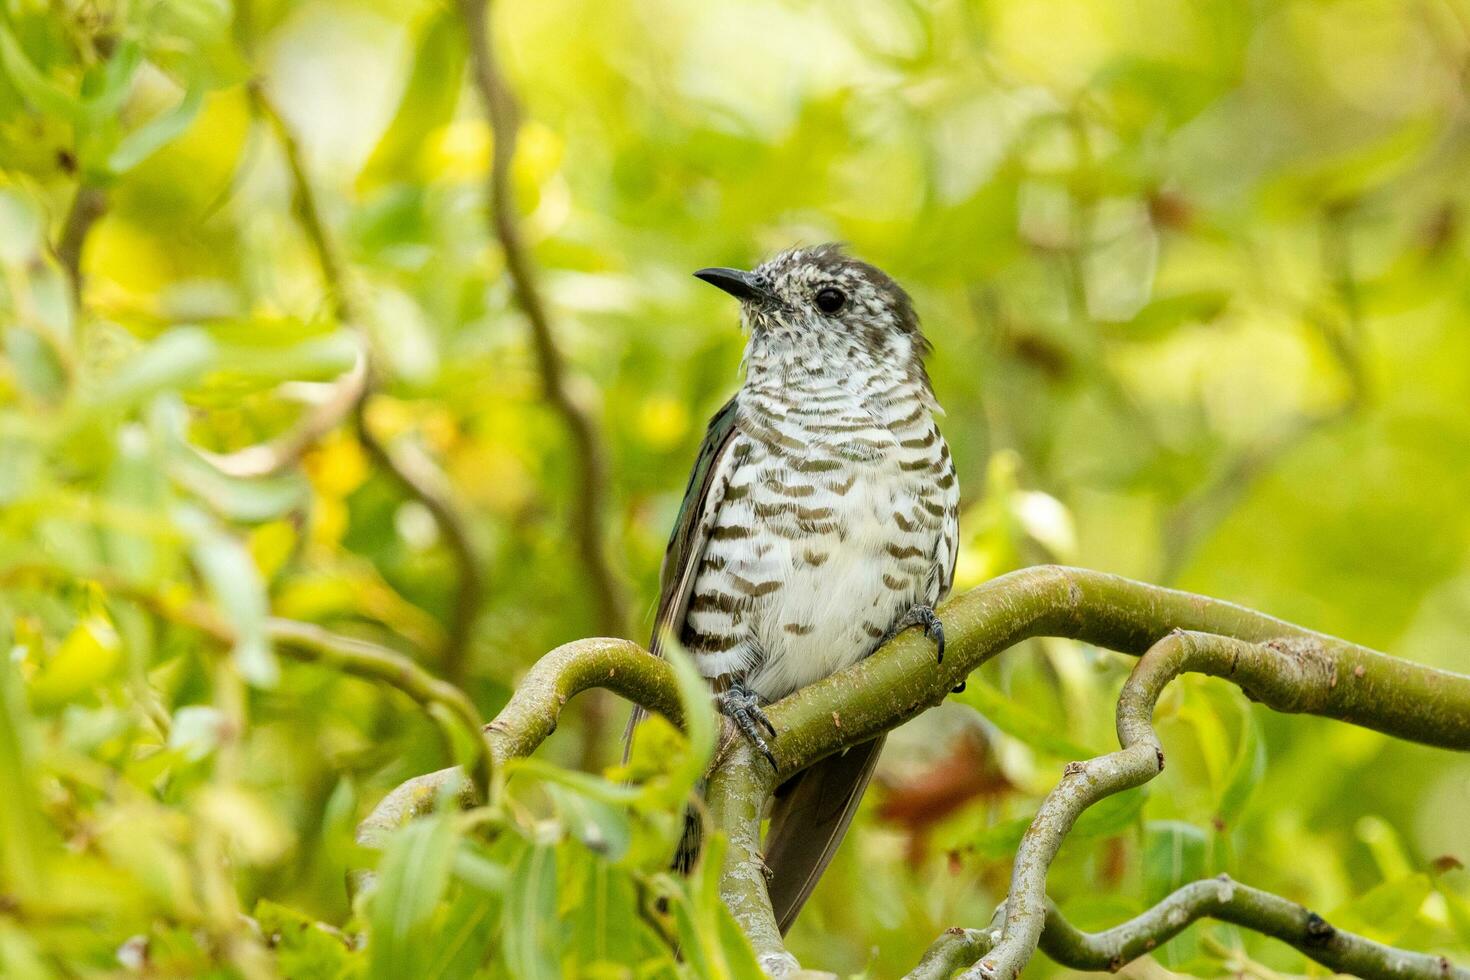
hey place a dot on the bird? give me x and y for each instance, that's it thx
(820, 520)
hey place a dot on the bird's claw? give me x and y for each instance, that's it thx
(926, 617)
(741, 705)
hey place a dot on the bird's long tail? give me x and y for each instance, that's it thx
(811, 813)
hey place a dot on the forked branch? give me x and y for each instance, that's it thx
(1284, 666)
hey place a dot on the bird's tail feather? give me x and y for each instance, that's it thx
(810, 815)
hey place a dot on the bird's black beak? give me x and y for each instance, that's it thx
(742, 285)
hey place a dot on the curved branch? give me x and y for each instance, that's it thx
(589, 497)
(1229, 901)
(286, 450)
(1285, 666)
(418, 477)
(1219, 898)
(901, 679)
(1296, 674)
(620, 666)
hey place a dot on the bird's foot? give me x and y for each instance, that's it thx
(743, 707)
(921, 615)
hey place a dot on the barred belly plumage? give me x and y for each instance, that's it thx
(838, 516)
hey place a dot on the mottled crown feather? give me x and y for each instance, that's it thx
(867, 318)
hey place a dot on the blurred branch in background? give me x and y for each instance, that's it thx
(414, 472)
(1194, 518)
(88, 204)
(589, 498)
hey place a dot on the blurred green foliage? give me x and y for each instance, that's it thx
(1196, 273)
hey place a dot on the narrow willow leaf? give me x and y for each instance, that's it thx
(43, 94)
(412, 879)
(462, 936)
(1019, 722)
(176, 359)
(602, 829)
(1246, 771)
(1173, 855)
(605, 927)
(150, 137)
(225, 565)
(533, 932)
(428, 102)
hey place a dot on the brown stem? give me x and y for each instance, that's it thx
(589, 496)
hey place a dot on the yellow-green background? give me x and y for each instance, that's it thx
(1196, 278)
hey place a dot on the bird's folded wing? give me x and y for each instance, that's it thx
(808, 820)
(697, 514)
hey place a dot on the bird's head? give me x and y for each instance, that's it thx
(822, 308)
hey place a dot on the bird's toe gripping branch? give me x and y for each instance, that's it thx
(743, 707)
(925, 616)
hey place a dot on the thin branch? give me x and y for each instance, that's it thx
(955, 949)
(589, 496)
(1229, 901)
(272, 457)
(1298, 674)
(415, 474)
(87, 206)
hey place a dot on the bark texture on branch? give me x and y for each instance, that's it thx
(1294, 674)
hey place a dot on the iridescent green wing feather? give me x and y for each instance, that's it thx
(707, 483)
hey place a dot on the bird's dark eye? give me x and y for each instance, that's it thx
(830, 299)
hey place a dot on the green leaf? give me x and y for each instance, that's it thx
(1109, 816)
(303, 948)
(235, 583)
(175, 360)
(43, 95)
(428, 101)
(412, 879)
(21, 227)
(1167, 313)
(250, 501)
(1246, 771)
(106, 87)
(462, 936)
(532, 928)
(478, 871)
(604, 926)
(36, 364)
(318, 358)
(602, 829)
(1018, 721)
(20, 818)
(150, 137)
(89, 656)
(1173, 855)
